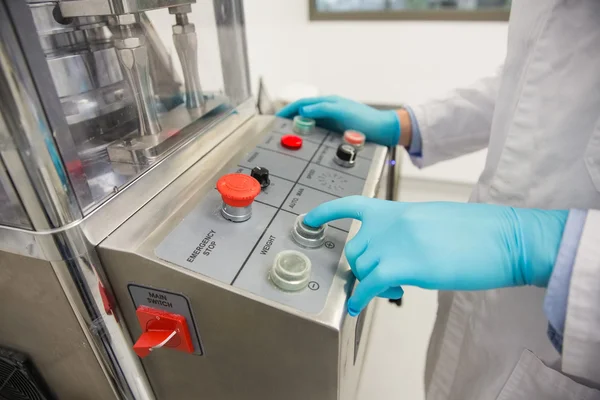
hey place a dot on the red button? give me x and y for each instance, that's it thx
(291, 142)
(354, 138)
(238, 190)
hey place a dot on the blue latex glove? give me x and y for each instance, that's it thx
(339, 114)
(444, 246)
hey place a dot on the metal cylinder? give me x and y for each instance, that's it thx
(83, 64)
(133, 56)
(236, 214)
(181, 19)
(186, 44)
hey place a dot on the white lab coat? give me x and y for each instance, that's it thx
(540, 119)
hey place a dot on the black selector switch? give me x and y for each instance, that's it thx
(345, 155)
(261, 174)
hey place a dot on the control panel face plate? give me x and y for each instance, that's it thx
(254, 276)
(241, 254)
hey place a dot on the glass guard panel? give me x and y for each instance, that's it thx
(135, 86)
(12, 212)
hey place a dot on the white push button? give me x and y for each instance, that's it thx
(290, 271)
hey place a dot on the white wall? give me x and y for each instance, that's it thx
(379, 62)
(372, 61)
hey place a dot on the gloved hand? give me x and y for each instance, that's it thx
(339, 114)
(444, 246)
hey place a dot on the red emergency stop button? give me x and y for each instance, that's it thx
(291, 142)
(238, 190)
(162, 329)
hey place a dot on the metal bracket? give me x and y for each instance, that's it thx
(88, 8)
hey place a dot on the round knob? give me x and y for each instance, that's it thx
(290, 271)
(345, 155)
(261, 174)
(238, 191)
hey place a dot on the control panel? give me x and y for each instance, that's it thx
(249, 231)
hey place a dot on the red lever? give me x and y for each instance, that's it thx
(152, 340)
(162, 329)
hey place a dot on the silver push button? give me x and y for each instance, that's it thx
(307, 236)
(236, 214)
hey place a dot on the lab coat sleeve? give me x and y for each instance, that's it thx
(458, 123)
(416, 144)
(581, 342)
(557, 295)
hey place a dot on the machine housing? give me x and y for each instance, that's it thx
(105, 153)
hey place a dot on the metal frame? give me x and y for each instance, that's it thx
(74, 8)
(21, 219)
(409, 15)
(394, 160)
(71, 252)
(226, 17)
(32, 160)
(29, 151)
(61, 234)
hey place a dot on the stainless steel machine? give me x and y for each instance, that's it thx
(151, 241)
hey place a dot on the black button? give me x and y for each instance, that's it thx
(261, 174)
(346, 152)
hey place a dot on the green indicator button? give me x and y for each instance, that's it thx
(303, 125)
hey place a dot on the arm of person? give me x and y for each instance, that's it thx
(451, 126)
(437, 130)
